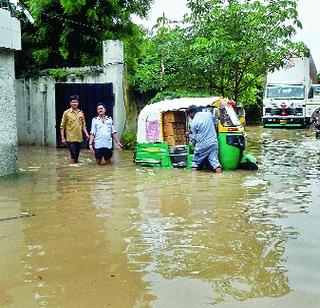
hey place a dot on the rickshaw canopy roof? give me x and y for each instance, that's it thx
(152, 112)
(177, 104)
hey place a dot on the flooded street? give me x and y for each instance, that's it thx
(128, 236)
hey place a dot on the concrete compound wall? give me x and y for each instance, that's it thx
(8, 128)
(10, 40)
(35, 111)
(36, 97)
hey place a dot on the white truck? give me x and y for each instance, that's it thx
(313, 101)
(287, 92)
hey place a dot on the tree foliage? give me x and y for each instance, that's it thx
(70, 32)
(224, 47)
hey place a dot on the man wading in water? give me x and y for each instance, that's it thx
(203, 133)
(102, 132)
(73, 123)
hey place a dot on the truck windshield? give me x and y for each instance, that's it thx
(285, 92)
(316, 90)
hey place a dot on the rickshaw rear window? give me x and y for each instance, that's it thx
(228, 117)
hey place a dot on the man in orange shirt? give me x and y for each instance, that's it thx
(73, 124)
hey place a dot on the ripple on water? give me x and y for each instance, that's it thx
(234, 233)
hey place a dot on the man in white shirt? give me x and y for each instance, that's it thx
(101, 135)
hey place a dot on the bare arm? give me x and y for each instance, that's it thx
(117, 140)
(84, 125)
(86, 132)
(91, 140)
(62, 135)
(62, 128)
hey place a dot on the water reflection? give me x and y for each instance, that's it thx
(288, 161)
(71, 249)
(199, 229)
(126, 236)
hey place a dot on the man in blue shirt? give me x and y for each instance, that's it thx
(101, 135)
(203, 133)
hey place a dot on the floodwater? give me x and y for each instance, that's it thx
(128, 236)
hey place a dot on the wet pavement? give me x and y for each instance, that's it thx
(128, 236)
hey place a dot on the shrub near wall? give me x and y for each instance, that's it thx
(129, 139)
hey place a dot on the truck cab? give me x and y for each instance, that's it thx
(287, 91)
(284, 104)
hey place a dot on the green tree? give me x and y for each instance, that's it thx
(161, 65)
(236, 42)
(223, 48)
(70, 32)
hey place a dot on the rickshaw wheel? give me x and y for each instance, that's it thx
(248, 166)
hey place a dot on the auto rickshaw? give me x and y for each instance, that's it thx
(162, 127)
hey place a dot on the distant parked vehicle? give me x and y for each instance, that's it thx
(287, 92)
(313, 101)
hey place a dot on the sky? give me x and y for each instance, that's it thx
(308, 11)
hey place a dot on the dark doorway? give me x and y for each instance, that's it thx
(90, 94)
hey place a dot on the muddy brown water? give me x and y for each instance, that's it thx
(128, 236)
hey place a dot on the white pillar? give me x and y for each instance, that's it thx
(113, 62)
(10, 40)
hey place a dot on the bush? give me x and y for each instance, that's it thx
(129, 139)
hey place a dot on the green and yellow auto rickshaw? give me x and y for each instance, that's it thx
(162, 141)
